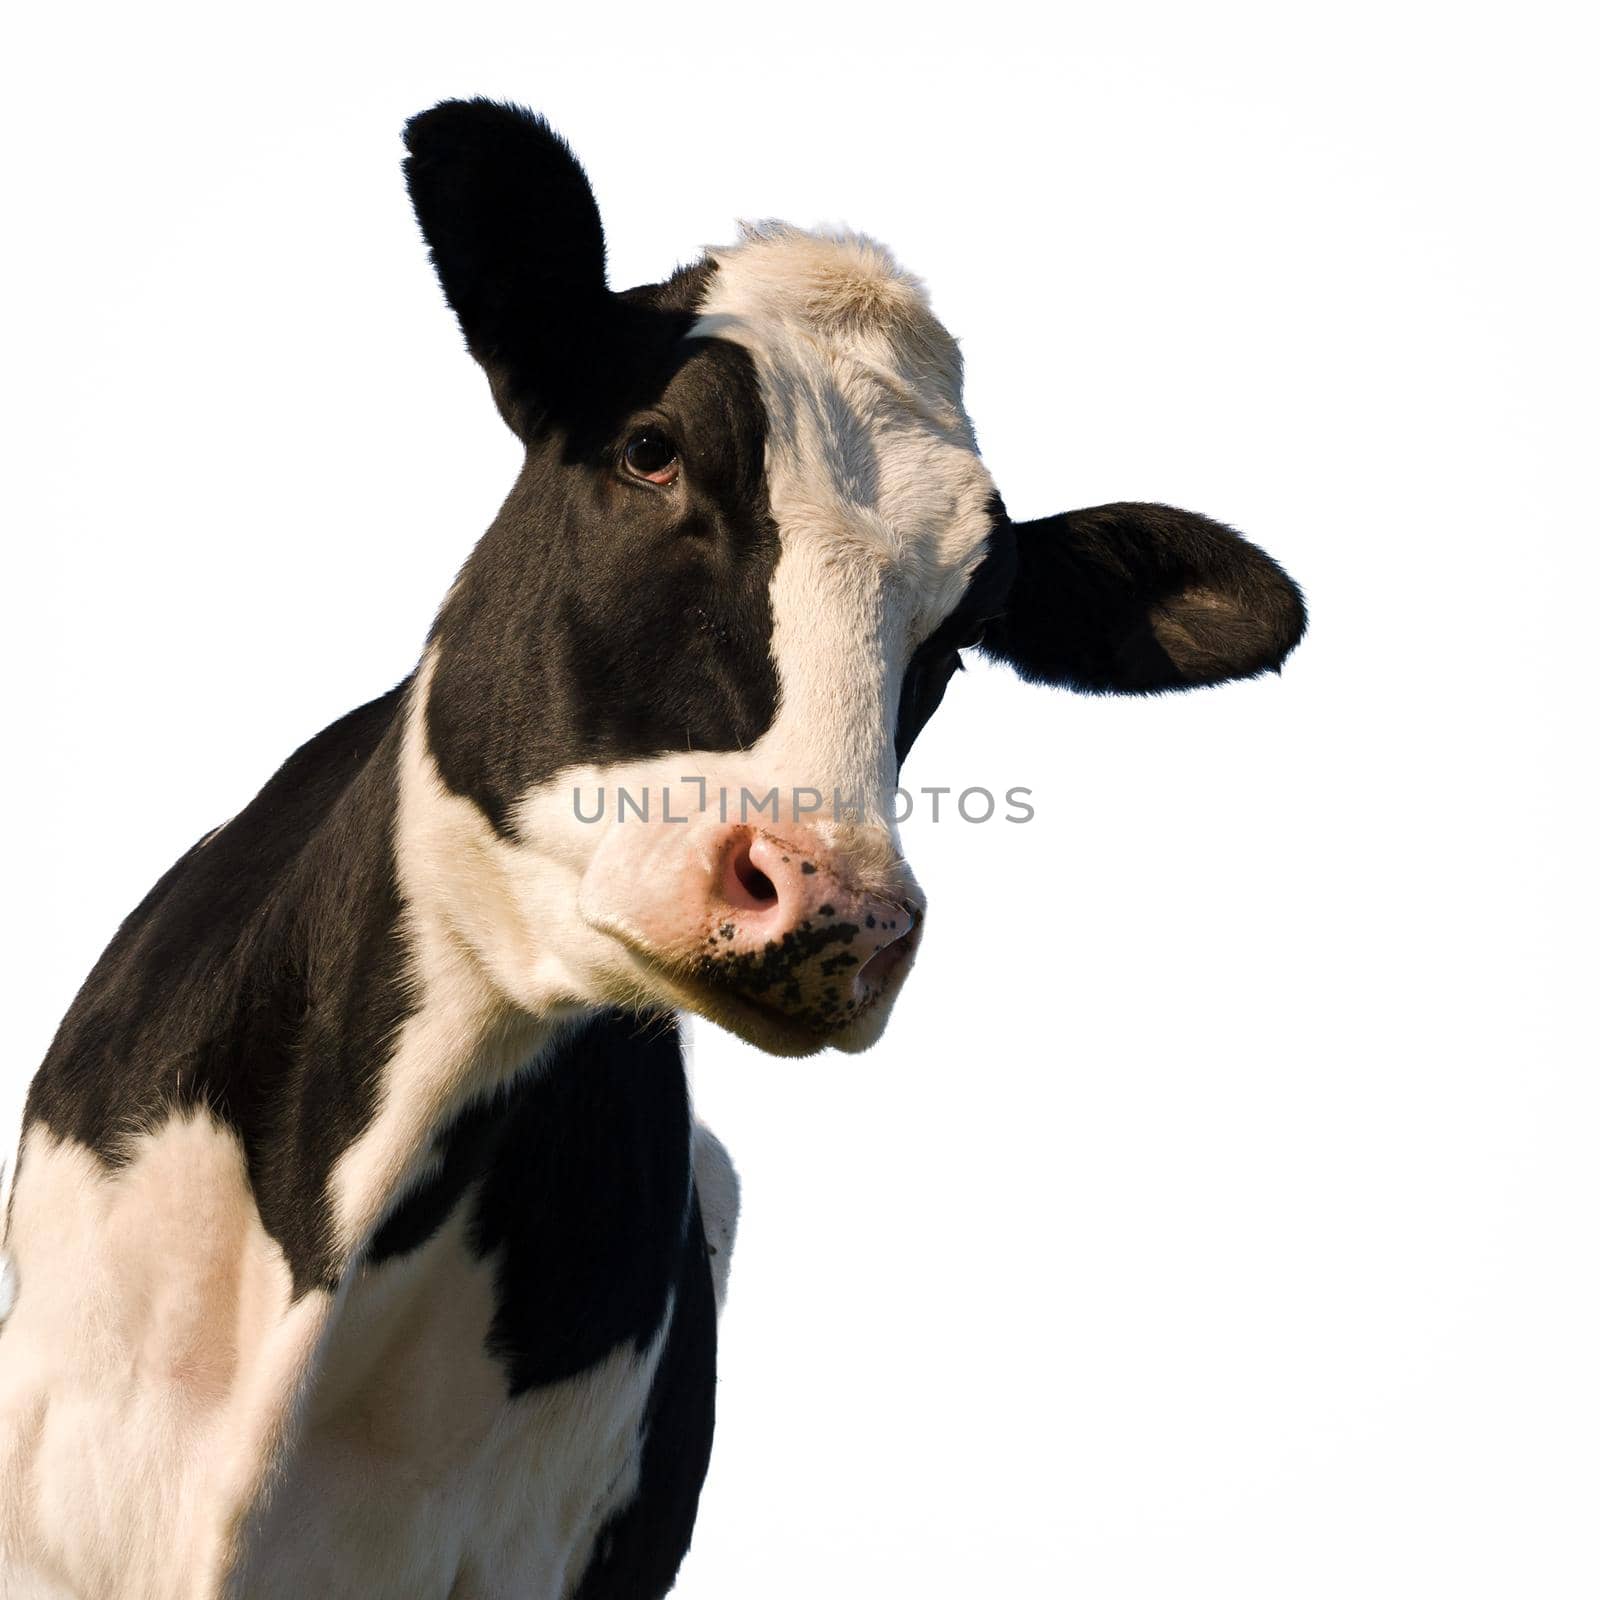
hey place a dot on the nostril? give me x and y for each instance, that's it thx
(745, 885)
(757, 884)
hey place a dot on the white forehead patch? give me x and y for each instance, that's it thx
(868, 447)
(874, 481)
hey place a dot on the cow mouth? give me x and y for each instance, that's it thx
(829, 1015)
(786, 1033)
(769, 1019)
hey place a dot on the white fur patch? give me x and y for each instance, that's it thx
(869, 450)
(149, 1368)
(873, 475)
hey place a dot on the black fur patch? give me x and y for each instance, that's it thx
(602, 620)
(640, 1549)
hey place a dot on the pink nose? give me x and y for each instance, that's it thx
(789, 931)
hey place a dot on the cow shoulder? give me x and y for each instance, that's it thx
(206, 995)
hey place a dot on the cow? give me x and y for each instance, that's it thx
(363, 1239)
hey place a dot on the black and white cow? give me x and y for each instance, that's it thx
(363, 1240)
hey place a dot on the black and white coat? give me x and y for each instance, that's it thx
(363, 1240)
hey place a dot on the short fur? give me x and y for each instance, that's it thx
(363, 1239)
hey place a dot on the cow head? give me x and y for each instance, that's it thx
(665, 703)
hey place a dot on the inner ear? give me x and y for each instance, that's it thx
(1210, 635)
(1133, 598)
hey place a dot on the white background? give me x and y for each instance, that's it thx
(1219, 1216)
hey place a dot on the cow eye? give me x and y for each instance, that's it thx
(651, 455)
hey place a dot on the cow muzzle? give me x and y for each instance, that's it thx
(789, 931)
(790, 939)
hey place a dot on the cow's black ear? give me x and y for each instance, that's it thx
(515, 236)
(1132, 599)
